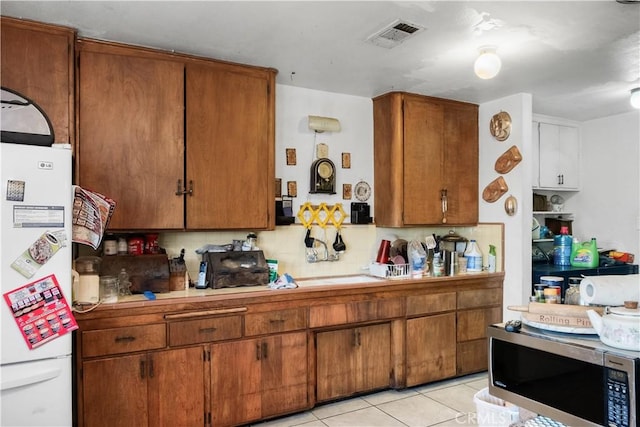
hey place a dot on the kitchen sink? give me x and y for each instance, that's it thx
(339, 280)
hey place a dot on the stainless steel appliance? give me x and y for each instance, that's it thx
(573, 379)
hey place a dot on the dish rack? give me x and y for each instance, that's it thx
(389, 271)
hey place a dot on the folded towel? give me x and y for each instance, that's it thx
(610, 290)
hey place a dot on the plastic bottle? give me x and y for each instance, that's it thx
(438, 265)
(474, 257)
(492, 259)
(562, 247)
(585, 254)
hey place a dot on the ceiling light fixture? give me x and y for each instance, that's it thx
(488, 63)
(635, 98)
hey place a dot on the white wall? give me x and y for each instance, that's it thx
(517, 228)
(608, 205)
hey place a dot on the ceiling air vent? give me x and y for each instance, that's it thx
(394, 34)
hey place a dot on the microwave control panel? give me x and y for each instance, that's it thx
(617, 398)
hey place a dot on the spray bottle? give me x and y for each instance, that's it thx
(492, 259)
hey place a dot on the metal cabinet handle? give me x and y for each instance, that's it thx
(151, 368)
(207, 330)
(142, 369)
(180, 190)
(128, 338)
(445, 204)
(258, 355)
(264, 350)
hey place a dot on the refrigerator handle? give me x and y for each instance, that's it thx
(30, 379)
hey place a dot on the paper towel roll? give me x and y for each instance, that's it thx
(610, 290)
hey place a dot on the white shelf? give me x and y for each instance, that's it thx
(550, 213)
(542, 240)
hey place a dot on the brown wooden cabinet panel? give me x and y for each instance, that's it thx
(479, 298)
(37, 61)
(472, 324)
(275, 321)
(204, 330)
(431, 303)
(472, 357)
(104, 342)
(418, 140)
(352, 360)
(230, 151)
(359, 311)
(431, 348)
(131, 134)
(256, 378)
(114, 392)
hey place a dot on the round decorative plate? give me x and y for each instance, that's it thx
(362, 191)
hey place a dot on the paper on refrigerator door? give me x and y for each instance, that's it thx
(39, 253)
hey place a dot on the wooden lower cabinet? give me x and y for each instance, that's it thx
(160, 388)
(472, 341)
(431, 348)
(352, 360)
(258, 378)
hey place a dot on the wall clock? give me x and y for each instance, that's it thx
(323, 177)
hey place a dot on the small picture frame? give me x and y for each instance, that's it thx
(346, 191)
(346, 160)
(278, 187)
(291, 156)
(292, 189)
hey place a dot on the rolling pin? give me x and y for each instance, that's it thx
(556, 309)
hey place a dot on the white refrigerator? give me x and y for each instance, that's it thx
(35, 256)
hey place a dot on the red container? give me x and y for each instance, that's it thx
(151, 244)
(136, 246)
(383, 252)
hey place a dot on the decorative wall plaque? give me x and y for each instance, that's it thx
(500, 125)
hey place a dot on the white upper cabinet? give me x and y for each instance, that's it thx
(556, 156)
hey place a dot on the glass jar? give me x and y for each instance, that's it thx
(108, 289)
(572, 295)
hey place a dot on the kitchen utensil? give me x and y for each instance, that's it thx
(555, 309)
(308, 240)
(619, 327)
(508, 160)
(383, 252)
(453, 242)
(338, 244)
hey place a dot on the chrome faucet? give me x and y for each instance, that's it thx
(312, 254)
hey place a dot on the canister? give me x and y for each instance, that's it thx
(136, 246)
(108, 289)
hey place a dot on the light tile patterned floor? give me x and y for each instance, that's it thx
(441, 404)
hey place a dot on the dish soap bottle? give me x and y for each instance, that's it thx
(492, 259)
(474, 257)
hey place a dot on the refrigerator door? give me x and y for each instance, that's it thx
(36, 197)
(37, 393)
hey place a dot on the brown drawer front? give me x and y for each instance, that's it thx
(427, 304)
(123, 340)
(205, 330)
(472, 357)
(479, 298)
(472, 324)
(275, 321)
(361, 311)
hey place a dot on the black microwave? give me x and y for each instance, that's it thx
(573, 379)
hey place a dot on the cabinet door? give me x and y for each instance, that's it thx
(235, 382)
(559, 156)
(460, 179)
(176, 387)
(37, 61)
(423, 161)
(284, 373)
(229, 148)
(115, 392)
(352, 360)
(131, 136)
(431, 348)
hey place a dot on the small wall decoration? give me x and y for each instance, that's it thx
(322, 151)
(500, 126)
(346, 160)
(495, 190)
(291, 156)
(346, 191)
(292, 189)
(278, 187)
(511, 206)
(508, 160)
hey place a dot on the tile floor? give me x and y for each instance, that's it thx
(444, 403)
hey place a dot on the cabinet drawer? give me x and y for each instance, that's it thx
(479, 298)
(360, 311)
(123, 340)
(426, 304)
(205, 330)
(275, 321)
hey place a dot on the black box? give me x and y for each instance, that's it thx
(360, 213)
(236, 268)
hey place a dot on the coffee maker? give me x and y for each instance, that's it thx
(360, 213)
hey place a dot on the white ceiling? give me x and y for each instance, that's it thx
(579, 59)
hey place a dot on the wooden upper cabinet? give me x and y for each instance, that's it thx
(131, 134)
(230, 146)
(37, 62)
(425, 161)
